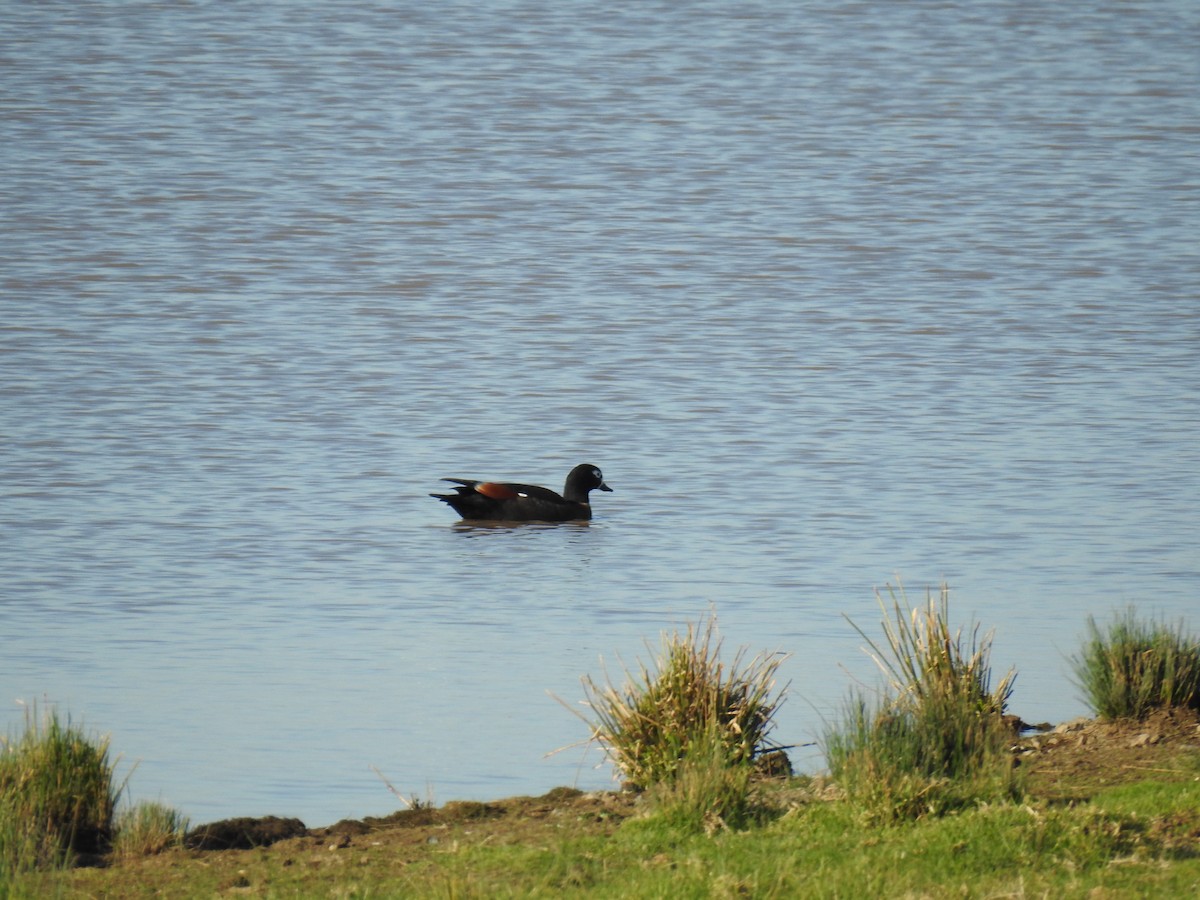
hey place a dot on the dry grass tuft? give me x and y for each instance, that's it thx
(689, 704)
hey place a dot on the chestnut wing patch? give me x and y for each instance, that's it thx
(497, 491)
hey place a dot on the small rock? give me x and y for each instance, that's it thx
(774, 764)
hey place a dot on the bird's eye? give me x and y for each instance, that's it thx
(596, 474)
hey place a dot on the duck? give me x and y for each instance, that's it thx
(494, 501)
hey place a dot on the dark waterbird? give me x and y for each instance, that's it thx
(492, 501)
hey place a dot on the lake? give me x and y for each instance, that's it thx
(834, 294)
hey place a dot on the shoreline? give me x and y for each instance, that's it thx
(1072, 832)
(1086, 736)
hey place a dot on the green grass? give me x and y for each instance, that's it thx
(823, 850)
(1135, 666)
(56, 795)
(689, 702)
(935, 740)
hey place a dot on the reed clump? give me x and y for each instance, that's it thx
(690, 726)
(936, 738)
(1135, 666)
(57, 795)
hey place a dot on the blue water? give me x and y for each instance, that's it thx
(833, 293)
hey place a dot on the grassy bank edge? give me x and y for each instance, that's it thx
(1135, 839)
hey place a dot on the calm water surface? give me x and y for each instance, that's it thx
(831, 291)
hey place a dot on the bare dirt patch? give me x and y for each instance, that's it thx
(1075, 759)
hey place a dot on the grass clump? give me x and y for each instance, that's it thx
(708, 791)
(936, 740)
(691, 727)
(56, 795)
(148, 828)
(1135, 666)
